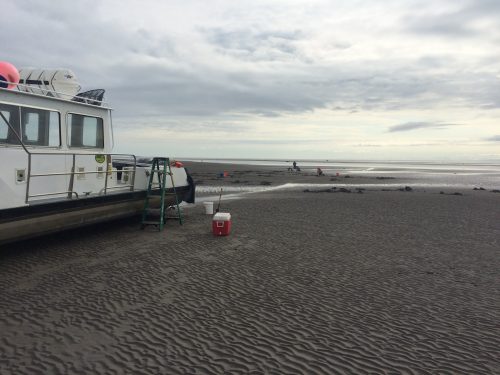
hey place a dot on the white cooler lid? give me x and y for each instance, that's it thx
(222, 216)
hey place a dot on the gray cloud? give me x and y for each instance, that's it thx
(253, 45)
(175, 92)
(145, 73)
(453, 25)
(495, 138)
(191, 125)
(281, 141)
(207, 74)
(462, 22)
(417, 125)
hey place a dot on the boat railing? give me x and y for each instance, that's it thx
(73, 172)
(71, 192)
(44, 92)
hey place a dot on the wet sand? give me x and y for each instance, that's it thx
(209, 174)
(383, 282)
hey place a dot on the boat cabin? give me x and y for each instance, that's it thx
(55, 148)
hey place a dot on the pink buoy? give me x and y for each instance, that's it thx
(8, 73)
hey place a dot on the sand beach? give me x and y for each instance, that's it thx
(311, 280)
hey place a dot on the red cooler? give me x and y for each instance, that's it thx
(221, 224)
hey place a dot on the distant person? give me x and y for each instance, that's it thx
(296, 168)
(319, 172)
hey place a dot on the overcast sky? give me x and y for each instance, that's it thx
(357, 79)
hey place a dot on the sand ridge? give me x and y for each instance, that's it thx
(381, 282)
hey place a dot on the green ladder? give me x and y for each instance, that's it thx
(160, 168)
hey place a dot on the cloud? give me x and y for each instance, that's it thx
(178, 127)
(407, 126)
(260, 45)
(459, 20)
(194, 67)
(293, 142)
(452, 25)
(259, 63)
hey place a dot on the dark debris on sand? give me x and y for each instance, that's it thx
(455, 193)
(335, 190)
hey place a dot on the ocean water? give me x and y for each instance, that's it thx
(419, 174)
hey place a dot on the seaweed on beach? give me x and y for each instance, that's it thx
(404, 189)
(455, 193)
(330, 190)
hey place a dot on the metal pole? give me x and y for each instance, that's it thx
(72, 179)
(15, 132)
(28, 179)
(108, 170)
(25, 149)
(133, 176)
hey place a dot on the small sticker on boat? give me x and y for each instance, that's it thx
(100, 158)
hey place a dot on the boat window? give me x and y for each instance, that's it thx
(11, 114)
(54, 129)
(85, 131)
(30, 128)
(40, 127)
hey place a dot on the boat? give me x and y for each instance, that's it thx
(57, 166)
